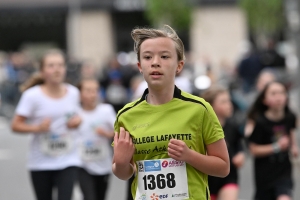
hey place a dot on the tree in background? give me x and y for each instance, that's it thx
(176, 13)
(265, 18)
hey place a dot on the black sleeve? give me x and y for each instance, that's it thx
(293, 121)
(238, 138)
(257, 134)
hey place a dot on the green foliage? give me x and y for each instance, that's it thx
(264, 16)
(176, 13)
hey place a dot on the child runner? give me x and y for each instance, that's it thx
(226, 188)
(170, 138)
(46, 111)
(96, 131)
(272, 137)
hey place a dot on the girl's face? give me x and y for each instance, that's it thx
(89, 92)
(158, 62)
(54, 69)
(275, 96)
(222, 105)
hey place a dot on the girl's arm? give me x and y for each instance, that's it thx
(259, 150)
(249, 127)
(294, 144)
(103, 132)
(19, 125)
(215, 163)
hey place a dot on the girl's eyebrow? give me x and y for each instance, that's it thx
(165, 51)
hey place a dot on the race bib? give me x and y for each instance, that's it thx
(56, 145)
(92, 151)
(162, 179)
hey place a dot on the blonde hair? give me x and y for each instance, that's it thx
(211, 94)
(36, 78)
(139, 35)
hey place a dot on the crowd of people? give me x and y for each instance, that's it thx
(168, 137)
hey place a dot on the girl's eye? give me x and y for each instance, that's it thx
(164, 57)
(147, 57)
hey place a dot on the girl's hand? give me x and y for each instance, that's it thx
(239, 159)
(295, 151)
(44, 126)
(284, 142)
(123, 148)
(74, 122)
(178, 150)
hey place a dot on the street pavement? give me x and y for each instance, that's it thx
(15, 184)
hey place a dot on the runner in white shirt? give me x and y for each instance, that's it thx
(96, 131)
(47, 111)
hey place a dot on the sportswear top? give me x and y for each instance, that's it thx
(95, 149)
(56, 149)
(269, 169)
(186, 117)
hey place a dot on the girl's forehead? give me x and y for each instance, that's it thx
(158, 44)
(275, 86)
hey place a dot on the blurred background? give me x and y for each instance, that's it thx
(227, 42)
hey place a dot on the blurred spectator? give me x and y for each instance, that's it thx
(248, 70)
(134, 86)
(270, 57)
(265, 76)
(3, 74)
(73, 71)
(88, 70)
(115, 83)
(18, 69)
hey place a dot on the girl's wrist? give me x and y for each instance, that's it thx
(276, 147)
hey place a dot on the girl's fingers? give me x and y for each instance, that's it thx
(122, 134)
(172, 146)
(130, 141)
(127, 136)
(173, 156)
(173, 152)
(116, 138)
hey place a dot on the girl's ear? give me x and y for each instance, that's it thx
(179, 66)
(139, 67)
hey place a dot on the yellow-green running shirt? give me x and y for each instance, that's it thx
(187, 118)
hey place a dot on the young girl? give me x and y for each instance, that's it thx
(270, 140)
(170, 138)
(47, 112)
(96, 131)
(226, 188)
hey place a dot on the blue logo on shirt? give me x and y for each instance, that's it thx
(152, 165)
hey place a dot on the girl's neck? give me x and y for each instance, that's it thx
(222, 120)
(158, 97)
(54, 90)
(88, 106)
(274, 115)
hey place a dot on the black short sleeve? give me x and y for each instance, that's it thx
(257, 134)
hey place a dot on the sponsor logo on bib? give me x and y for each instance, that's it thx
(152, 166)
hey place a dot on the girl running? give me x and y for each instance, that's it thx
(96, 131)
(270, 141)
(226, 188)
(170, 138)
(47, 111)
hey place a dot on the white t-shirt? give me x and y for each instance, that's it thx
(96, 150)
(56, 149)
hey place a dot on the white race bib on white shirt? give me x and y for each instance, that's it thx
(56, 144)
(162, 179)
(93, 150)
